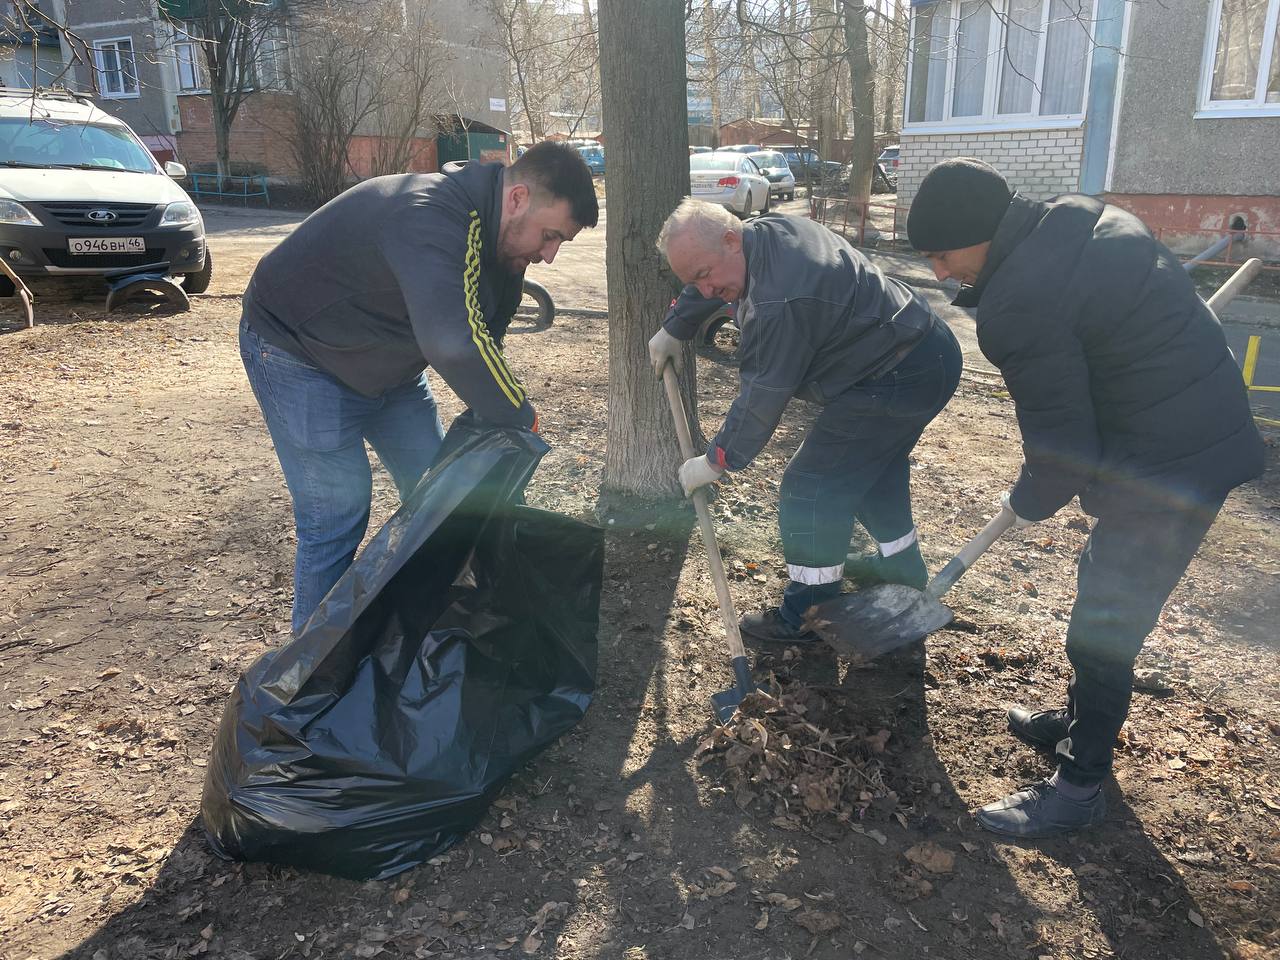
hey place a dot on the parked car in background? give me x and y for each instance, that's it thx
(81, 194)
(741, 148)
(594, 157)
(693, 150)
(730, 179)
(881, 182)
(782, 182)
(889, 159)
(802, 160)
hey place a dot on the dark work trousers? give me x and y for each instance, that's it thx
(854, 464)
(1130, 565)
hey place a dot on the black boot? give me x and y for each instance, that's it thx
(905, 567)
(1042, 729)
(770, 627)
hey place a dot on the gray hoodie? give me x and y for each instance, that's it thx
(397, 273)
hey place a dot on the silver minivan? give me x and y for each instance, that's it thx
(81, 195)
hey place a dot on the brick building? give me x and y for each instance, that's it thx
(1171, 110)
(149, 71)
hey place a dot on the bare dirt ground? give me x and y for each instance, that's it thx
(145, 560)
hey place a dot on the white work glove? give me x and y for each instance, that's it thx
(1019, 522)
(696, 473)
(663, 347)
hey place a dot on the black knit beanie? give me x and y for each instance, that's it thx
(960, 203)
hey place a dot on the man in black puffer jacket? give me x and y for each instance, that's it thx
(1127, 396)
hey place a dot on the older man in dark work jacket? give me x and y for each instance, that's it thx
(1126, 396)
(821, 323)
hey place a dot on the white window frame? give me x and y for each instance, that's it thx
(272, 59)
(100, 71)
(195, 58)
(989, 120)
(273, 54)
(1257, 106)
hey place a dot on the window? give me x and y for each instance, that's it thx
(189, 57)
(115, 67)
(271, 65)
(1241, 73)
(1000, 64)
(54, 143)
(269, 70)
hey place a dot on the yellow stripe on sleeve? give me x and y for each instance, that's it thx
(489, 351)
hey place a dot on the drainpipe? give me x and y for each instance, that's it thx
(1235, 234)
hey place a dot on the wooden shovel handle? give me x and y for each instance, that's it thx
(727, 613)
(970, 552)
(1237, 282)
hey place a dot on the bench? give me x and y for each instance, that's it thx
(233, 188)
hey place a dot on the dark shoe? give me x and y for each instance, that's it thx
(1040, 810)
(905, 567)
(1043, 729)
(770, 627)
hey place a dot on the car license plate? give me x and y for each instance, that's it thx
(106, 245)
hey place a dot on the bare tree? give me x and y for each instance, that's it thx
(554, 61)
(241, 44)
(854, 15)
(337, 72)
(410, 76)
(641, 49)
(831, 31)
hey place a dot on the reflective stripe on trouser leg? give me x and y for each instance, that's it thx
(812, 576)
(809, 586)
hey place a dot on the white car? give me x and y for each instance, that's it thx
(730, 179)
(81, 194)
(782, 182)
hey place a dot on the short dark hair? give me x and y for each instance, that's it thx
(559, 170)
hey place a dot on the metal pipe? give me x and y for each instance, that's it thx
(1213, 249)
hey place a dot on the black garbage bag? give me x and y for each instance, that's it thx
(460, 643)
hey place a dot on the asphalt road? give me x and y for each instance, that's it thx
(1249, 317)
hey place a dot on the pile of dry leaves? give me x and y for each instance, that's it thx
(802, 760)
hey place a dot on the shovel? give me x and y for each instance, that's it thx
(21, 291)
(872, 622)
(725, 703)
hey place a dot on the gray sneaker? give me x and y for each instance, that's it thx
(1040, 810)
(905, 567)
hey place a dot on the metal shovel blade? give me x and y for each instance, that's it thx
(726, 702)
(874, 621)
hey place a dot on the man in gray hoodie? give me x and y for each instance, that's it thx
(342, 319)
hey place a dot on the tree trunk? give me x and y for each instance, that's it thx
(221, 138)
(826, 95)
(864, 134)
(713, 67)
(641, 49)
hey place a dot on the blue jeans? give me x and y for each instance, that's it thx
(319, 426)
(854, 464)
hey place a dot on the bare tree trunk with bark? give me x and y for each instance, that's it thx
(641, 49)
(864, 139)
